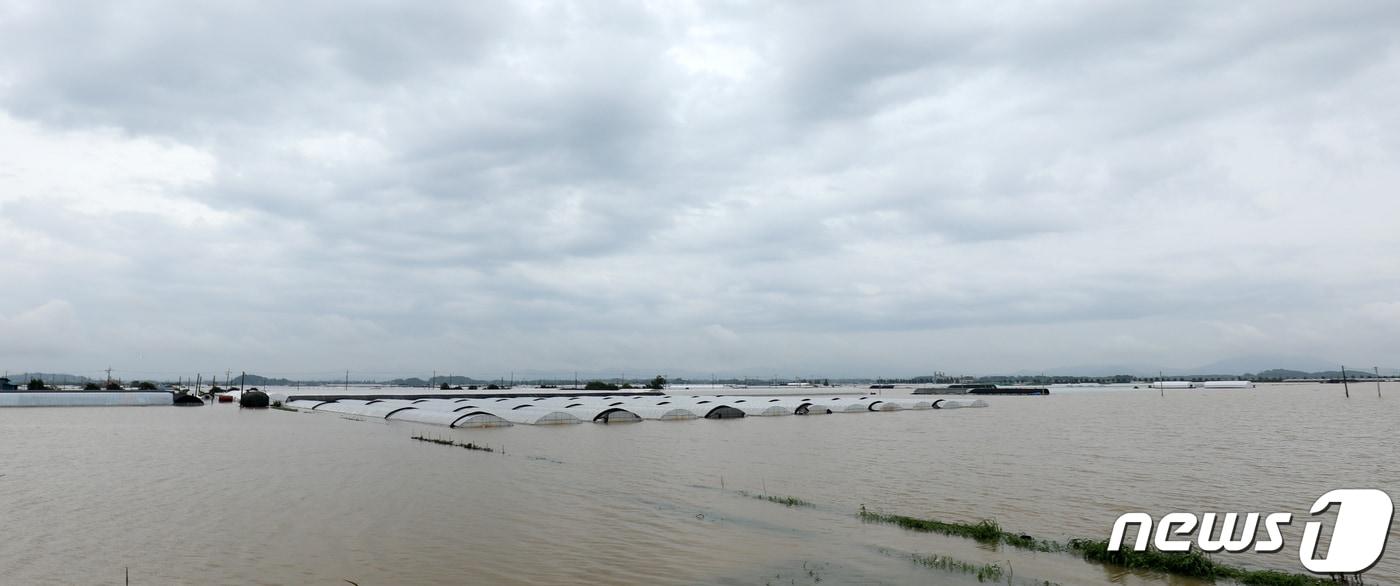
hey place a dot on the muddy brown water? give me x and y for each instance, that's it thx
(219, 495)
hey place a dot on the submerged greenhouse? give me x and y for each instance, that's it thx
(488, 411)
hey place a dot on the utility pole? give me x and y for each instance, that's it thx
(1378, 380)
(347, 381)
(1345, 388)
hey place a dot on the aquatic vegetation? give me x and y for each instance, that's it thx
(984, 531)
(788, 501)
(1194, 563)
(448, 442)
(983, 572)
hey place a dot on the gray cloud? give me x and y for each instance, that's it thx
(807, 189)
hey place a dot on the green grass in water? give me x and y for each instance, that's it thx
(983, 572)
(984, 531)
(1194, 563)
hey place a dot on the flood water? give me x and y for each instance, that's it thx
(216, 494)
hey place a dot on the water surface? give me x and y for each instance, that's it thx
(222, 495)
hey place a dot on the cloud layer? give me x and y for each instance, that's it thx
(790, 189)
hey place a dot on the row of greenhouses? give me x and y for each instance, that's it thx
(507, 411)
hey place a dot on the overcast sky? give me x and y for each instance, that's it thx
(791, 189)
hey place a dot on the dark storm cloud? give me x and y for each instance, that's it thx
(706, 186)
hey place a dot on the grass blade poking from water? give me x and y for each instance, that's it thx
(1190, 564)
(1193, 564)
(983, 572)
(788, 501)
(984, 531)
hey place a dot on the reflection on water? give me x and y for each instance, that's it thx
(219, 495)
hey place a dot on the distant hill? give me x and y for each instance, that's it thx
(436, 381)
(1260, 362)
(1093, 370)
(1283, 373)
(48, 377)
(253, 380)
(1273, 364)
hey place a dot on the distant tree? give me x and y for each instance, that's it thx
(657, 383)
(493, 387)
(91, 387)
(35, 384)
(444, 387)
(146, 386)
(627, 386)
(113, 386)
(597, 385)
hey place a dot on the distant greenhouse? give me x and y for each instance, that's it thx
(85, 399)
(498, 411)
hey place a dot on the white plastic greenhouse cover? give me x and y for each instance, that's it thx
(885, 406)
(451, 405)
(803, 406)
(759, 407)
(86, 399)
(595, 411)
(839, 405)
(341, 402)
(305, 404)
(953, 404)
(662, 412)
(450, 418)
(537, 416)
(912, 404)
(561, 402)
(377, 410)
(1228, 384)
(611, 415)
(713, 407)
(497, 405)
